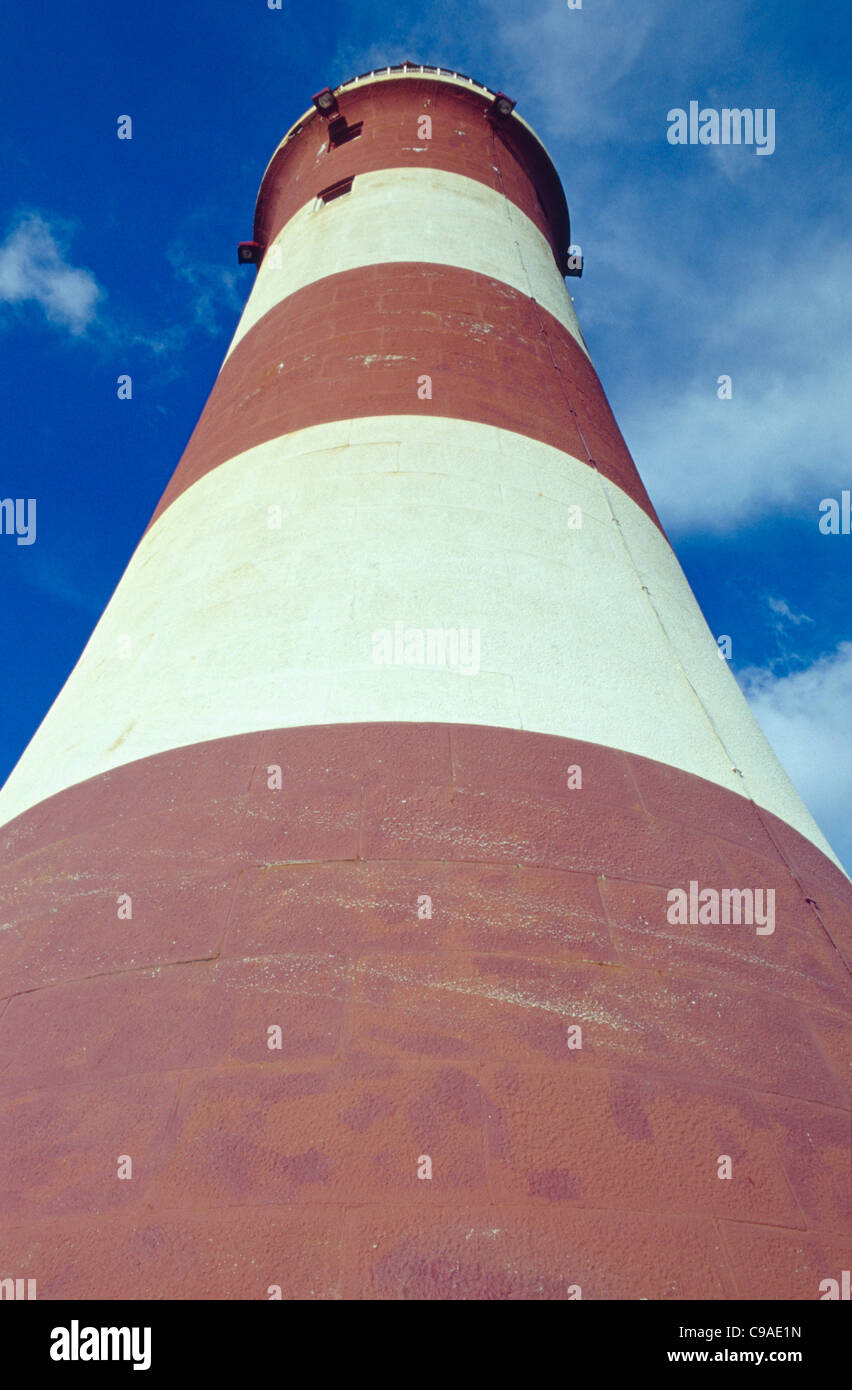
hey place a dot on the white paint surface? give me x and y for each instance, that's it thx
(422, 215)
(432, 522)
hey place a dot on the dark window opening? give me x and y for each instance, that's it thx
(336, 190)
(339, 133)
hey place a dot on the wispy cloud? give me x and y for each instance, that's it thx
(712, 464)
(567, 63)
(785, 613)
(216, 290)
(562, 65)
(34, 269)
(786, 626)
(806, 716)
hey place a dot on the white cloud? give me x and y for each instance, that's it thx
(757, 295)
(561, 65)
(216, 290)
(782, 439)
(565, 63)
(785, 612)
(33, 268)
(806, 716)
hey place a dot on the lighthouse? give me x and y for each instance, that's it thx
(399, 900)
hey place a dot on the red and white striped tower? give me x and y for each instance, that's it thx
(345, 856)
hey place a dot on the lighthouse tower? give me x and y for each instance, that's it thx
(399, 899)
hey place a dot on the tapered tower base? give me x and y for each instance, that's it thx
(470, 963)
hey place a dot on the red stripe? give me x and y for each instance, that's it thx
(356, 343)
(506, 157)
(406, 1035)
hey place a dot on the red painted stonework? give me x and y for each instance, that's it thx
(405, 1036)
(504, 156)
(355, 344)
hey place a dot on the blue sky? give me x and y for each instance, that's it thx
(120, 256)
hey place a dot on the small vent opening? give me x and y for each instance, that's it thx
(336, 190)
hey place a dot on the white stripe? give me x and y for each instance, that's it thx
(434, 523)
(422, 215)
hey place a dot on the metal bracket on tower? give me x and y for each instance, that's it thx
(325, 102)
(339, 131)
(501, 107)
